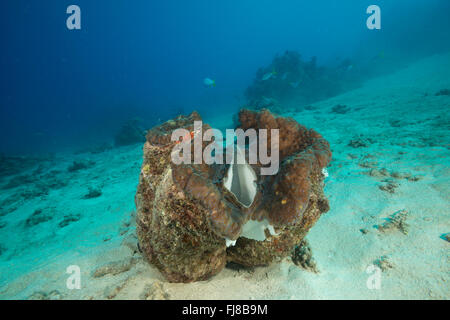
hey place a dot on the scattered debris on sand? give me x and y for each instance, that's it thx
(68, 219)
(93, 193)
(154, 291)
(364, 231)
(340, 109)
(113, 290)
(378, 173)
(37, 217)
(40, 295)
(389, 186)
(359, 142)
(395, 221)
(384, 263)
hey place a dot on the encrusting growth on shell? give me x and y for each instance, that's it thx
(194, 218)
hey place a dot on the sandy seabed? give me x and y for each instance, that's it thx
(388, 186)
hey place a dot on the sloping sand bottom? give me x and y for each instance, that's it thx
(388, 186)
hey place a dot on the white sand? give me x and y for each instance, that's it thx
(407, 131)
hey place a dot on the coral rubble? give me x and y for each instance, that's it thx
(194, 218)
(38, 216)
(384, 263)
(397, 220)
(52, 295)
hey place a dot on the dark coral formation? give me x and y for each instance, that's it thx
(302, 257)
(289, 77)
(443, 92)
(185, 214)
(92, 193)
(340, 109)
(68, 219)
(397, 220)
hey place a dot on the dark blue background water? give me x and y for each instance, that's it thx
(63, 88)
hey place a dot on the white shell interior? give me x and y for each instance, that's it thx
(241, 182)
(241, 179)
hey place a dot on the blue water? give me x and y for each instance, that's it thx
(67, 88)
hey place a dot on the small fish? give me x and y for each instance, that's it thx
(209, 82)
(269, 75)
(284, 76)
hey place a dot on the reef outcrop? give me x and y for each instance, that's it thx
(194, 218)
(291, 78)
